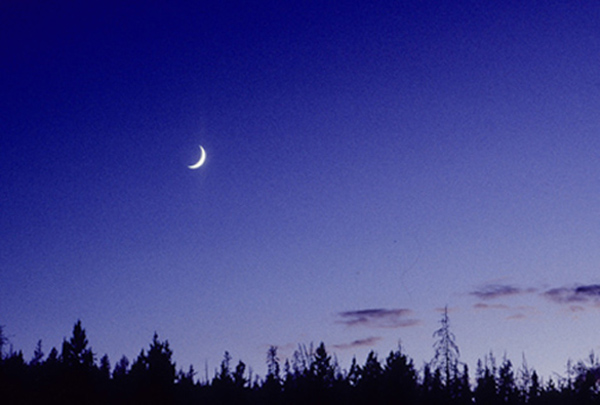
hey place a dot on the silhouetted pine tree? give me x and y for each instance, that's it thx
(486, 388)
(585, 385)
(346, 384)
(399, 379)
(523, 381)
(240, 388)
(322, 373)
(534, 391)
(3, 342)
(121, 368)
(507, 389)
(51, 374)
(370, 384)
(187, 390)
(354, 373)
(36, 380)
(239, 379)
(75, 351)
(121, 381)
(104, 368)
(551, 395)
(227, 386)
(223, 376)
(460, 387)
(38, 355)
(153, 374)
(79, 384)
(102, 381)
(271, 388)
(432, 389)
(297, 384)
(14, 378)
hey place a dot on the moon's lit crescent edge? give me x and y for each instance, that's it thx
(201, 161)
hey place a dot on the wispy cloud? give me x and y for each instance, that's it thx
(378, 318)
(583, 294)
(493, 291)
(358, 343)
(514, 312)
(575, 298)
(482, 305)
(576, 308)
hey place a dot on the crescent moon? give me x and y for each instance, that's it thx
(201, 161)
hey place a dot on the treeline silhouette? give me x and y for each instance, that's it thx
(311, 376)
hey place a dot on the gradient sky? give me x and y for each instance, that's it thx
(366, 166)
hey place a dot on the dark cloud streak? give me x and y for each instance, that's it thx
(567, 295)
(493, 291)
(378, 318)
(577, 297)
(481, 305)
(358, 343)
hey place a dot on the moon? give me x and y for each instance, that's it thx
(201, 161)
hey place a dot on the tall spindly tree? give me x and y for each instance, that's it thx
(446, 350)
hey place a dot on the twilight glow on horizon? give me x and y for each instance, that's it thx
(366, 166)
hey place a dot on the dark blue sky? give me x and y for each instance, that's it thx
(366, 166)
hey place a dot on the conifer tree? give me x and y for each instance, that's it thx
(273, 368)
(462, 391)
(53, 359)
(534, 391)
(239, 379)
(76, 380)
(75, 351)
(446, 350)
(372, 370)
(105, 367)
(161, 368)
(399, 377)
(153, 373)
(369, 385)
(121, 368)
(3, 342)
(224, 377)
(551, 394)
(507, 390)
(354, 373)
(321, 368)
(38, 355)
(486, 390)
(272, 385)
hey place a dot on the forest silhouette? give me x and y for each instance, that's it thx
(311, 376)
